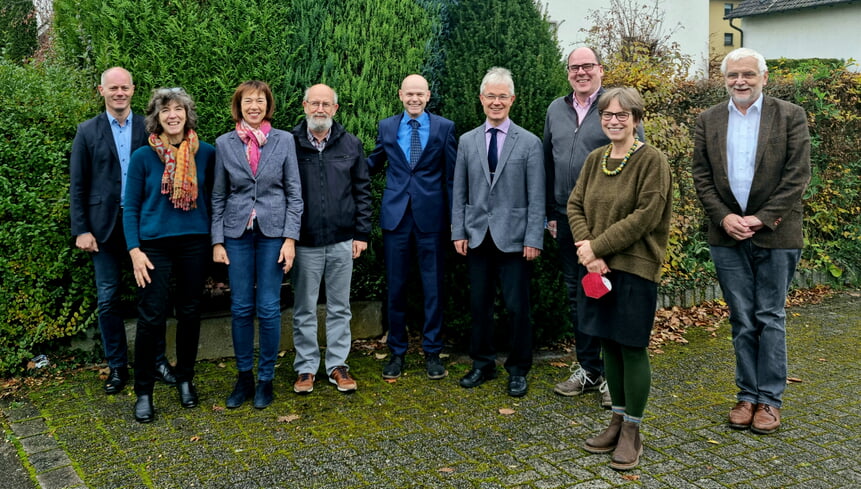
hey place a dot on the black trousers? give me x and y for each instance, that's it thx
(186, 258)
(488, 266)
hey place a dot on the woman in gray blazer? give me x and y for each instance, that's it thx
(256, 215)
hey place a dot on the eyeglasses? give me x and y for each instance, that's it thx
(620, 116)
(747, 75)
(493, 98)
(587, 67)
(324, 105)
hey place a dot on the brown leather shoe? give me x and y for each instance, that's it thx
(741, 416)
(342, 379)
(304, 384)
(766, 420)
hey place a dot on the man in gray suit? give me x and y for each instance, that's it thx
(498, 222)
(751, 165)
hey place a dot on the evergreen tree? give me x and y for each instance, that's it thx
(514, 34)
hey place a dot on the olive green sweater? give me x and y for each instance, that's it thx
(625, 216)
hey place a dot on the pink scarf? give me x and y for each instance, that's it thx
(253, 139)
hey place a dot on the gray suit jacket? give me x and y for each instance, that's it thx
(275, 192)
(511, 207)
(780, 178)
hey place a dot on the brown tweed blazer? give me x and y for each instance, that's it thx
(781, 174)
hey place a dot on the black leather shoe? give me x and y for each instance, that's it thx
(393, 369)
(243, 390)
(476, 377)
(144, 412)
(164, 374)
(187, 394)
(435, 368)
(517, 386)
(264, 395)
(117, 379)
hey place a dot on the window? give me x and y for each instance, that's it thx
(727, 39)
(727, 8)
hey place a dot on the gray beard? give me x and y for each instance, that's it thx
(316, 126)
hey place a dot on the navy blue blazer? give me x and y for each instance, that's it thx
(425, 188)
(96, 176)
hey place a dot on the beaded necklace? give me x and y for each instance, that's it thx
(624, 160)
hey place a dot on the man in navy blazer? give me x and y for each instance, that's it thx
(100, 157)
(421, 150)
(751, 166)
(498, 223)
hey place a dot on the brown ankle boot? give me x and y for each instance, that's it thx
(629, 448)
(606, 441)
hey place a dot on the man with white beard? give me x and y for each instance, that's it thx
(336, 223)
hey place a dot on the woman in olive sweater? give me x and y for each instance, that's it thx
(619, 213)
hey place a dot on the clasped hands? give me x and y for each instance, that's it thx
(740, 228)
(588, 259)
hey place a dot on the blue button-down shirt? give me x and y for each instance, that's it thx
(405, 132)
(123, 141)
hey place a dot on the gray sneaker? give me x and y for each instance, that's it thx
(578, 383)
(604, 396)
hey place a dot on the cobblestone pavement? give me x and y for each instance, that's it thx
(418, 433)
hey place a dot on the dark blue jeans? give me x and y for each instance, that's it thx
(185, 258)
(255, 287)
(108, 263)
(754, 282)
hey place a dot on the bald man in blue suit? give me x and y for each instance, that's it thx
(415, 213)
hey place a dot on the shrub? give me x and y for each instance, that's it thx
(46, 288)
(17, 29)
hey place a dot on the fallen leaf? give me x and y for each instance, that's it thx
(447, 470)
(444, 355)
(822, 359)
(631, 477)
(288, 419)
(194, 438)
(559, 364)
(714, 442)
(282, 353)
(380, 356)
(217, 408)
(222, 365)
(391, 381)
(506, 411)
(793, 380)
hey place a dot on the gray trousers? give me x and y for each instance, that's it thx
(332, 264)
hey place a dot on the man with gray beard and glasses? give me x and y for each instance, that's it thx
(335, 228)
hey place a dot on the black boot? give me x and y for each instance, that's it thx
(264, 395)
(144, 412)
(242, 390)
(187, 394)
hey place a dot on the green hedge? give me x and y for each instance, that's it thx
(44, 286)
(17, 29)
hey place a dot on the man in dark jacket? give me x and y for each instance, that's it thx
(98, 163)
(335, 228)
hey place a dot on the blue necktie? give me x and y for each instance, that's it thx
(492, 152)
(415, 143)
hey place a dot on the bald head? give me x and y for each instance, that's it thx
(116, 88)
(414, 94)
(320, 105)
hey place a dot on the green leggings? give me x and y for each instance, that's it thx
(629, 376)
